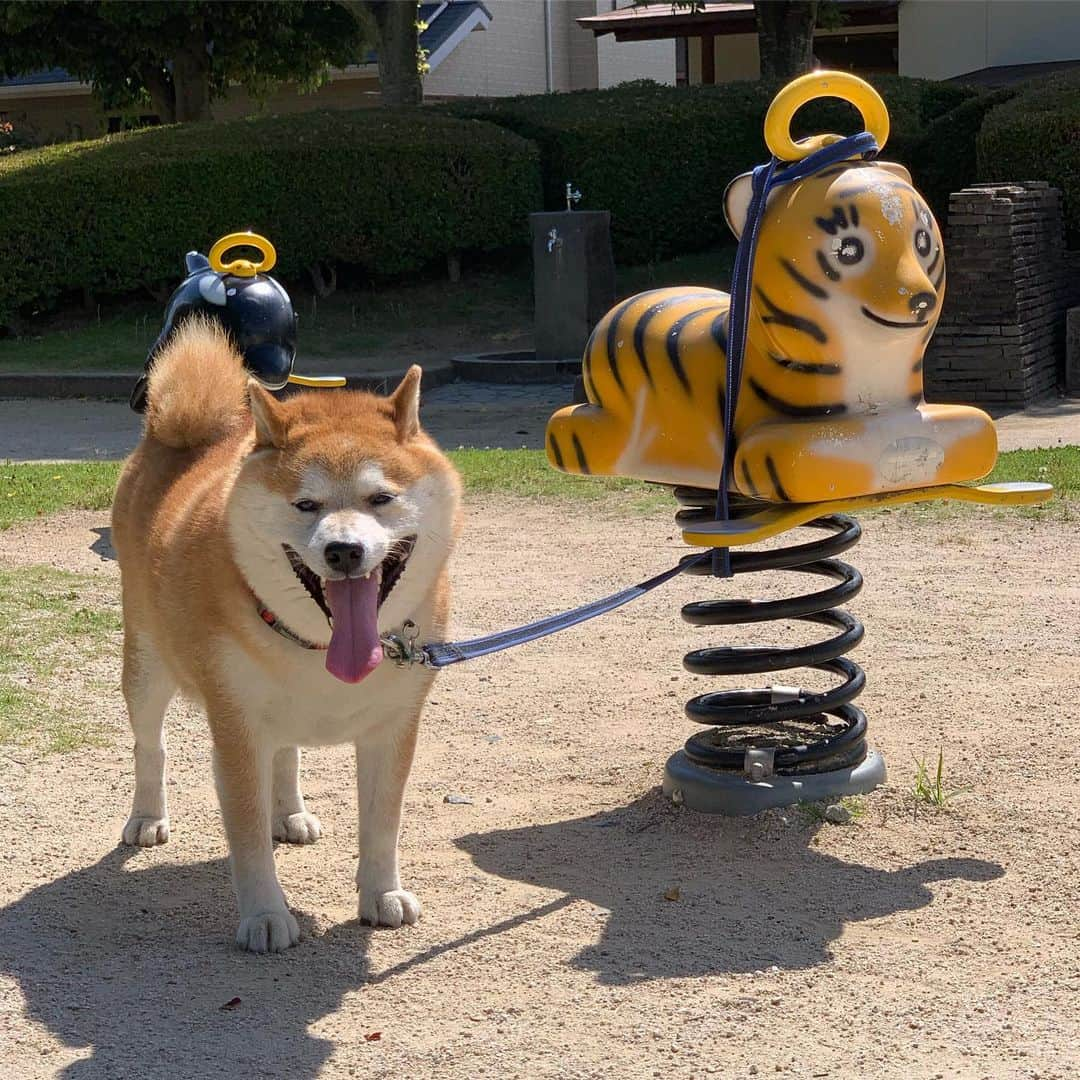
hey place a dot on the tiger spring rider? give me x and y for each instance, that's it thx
(802, 394)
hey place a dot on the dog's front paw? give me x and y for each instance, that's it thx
(393, 908)
(146, 831)
(269, 931)
(302, 828)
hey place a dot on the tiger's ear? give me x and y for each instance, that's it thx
(896, 170)
(737, 202)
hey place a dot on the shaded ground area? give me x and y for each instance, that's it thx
(912, 944)
(460, 414)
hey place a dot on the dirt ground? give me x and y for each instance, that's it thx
(913, 943)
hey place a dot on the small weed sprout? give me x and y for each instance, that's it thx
(931, 789)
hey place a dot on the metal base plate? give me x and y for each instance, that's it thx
(710, 791)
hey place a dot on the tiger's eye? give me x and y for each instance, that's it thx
(850, 251)
(922, 242)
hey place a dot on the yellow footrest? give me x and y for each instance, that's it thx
(772, 520)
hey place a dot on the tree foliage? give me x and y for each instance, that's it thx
(179, 55)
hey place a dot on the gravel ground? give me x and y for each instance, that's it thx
(576, 924)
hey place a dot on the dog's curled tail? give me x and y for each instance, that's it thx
(197, 391)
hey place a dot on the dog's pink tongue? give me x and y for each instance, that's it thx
(354, 651)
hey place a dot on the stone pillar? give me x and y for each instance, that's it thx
(1000, 340)
(573, 279)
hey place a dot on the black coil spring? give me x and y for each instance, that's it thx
(810, 731)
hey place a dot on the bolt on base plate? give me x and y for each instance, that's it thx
(711, 791)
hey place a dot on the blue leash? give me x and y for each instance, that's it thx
(764, 179)
(403, 647)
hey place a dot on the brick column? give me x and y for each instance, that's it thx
(1001, 337)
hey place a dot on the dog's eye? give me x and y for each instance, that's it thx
(307, 506)
(380, 498)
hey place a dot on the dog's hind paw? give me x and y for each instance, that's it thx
(146, 831)
(394, 909)
(302, 828)
(269, 931)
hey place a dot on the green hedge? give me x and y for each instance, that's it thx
(1036, 136)
(383, 190)
(659, 157)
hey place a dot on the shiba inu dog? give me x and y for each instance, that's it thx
(264, 547)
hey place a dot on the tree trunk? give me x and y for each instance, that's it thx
(399, 73)
(786, 37)
(191, 83)
(160, 89)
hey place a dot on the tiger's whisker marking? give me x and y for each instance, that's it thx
(804, 282)
(940, 279)
(774, 476)
(556, 452)
(829, 271)
(793, 322)
(789, 408)
(579, 450)
(806, 367)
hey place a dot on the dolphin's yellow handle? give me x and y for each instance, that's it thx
(818, 84)
(317, 380)
(243, 267)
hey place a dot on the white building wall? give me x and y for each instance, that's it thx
(507, 58)
(624, 61)
(943, 38)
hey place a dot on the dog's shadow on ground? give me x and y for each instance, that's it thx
(131, 963)
(749, 897)
(134, 966)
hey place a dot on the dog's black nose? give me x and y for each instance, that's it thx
(922, 304)
(344, 557)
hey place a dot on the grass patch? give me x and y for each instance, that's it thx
(51, 621)
(33, 490)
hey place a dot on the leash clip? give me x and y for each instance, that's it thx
(402, 647)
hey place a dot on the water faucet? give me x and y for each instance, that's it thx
(572, 195)
(554, 240)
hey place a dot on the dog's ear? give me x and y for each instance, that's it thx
(406, 401)
(267, 413)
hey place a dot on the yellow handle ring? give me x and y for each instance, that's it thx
(243, 267)
(838, 84)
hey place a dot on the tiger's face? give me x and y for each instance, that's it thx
(849, 275)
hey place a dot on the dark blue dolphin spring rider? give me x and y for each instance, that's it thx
(252, 307)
